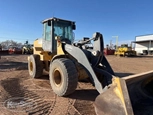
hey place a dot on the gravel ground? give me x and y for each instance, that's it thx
(37, 97)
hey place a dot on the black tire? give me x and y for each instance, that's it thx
(63, 76)
(35, 66)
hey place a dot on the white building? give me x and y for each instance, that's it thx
(144, 44)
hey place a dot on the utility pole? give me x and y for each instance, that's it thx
(116, 41)
(110, 44)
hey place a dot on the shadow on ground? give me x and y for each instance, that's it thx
(3, 54)
(44, 77)
(123, 74)
(85, 94)
(11, 65)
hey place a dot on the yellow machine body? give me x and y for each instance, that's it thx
(46, 57)
(39, 50)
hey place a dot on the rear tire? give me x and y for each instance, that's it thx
(35, 66)
(63, 76)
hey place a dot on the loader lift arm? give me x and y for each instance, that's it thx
(91, 62)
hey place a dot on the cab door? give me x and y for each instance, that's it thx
(47, 38)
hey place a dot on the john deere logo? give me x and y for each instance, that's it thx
(20, 104)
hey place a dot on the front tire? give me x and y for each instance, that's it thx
(63, 76)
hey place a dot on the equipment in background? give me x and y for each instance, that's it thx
(125, 50)
(27, 49)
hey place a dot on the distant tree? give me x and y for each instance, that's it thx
(7, 43)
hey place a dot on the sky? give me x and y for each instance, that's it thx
(20, 20)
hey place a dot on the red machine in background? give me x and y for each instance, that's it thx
(14, 50)
(109, 51)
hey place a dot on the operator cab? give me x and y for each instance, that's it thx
(55, 27)
(124, 45)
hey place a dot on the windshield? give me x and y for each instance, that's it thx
(64, 30)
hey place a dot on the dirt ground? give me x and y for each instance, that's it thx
(35, 96)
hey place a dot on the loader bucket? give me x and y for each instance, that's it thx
(127, 96)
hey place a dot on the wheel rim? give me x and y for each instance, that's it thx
(57, 78)
(31, 66)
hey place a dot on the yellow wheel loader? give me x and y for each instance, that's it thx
(125, 50)
(67, 62)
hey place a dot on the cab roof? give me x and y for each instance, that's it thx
(58, 19)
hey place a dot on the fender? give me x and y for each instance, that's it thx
(58, 56)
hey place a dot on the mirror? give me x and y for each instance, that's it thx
(73, 27)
